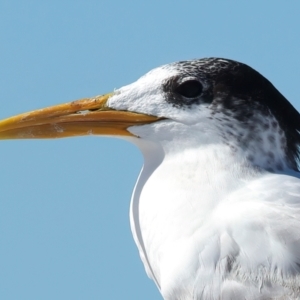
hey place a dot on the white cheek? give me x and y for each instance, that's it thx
(154, 103)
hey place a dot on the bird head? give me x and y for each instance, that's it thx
(197, 102)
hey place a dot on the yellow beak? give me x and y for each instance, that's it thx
(89, 116)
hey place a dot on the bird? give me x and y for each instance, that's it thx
(215, 212)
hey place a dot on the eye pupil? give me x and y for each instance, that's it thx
(190, 89)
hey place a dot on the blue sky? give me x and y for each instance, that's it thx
(64, 228)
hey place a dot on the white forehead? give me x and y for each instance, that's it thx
(153, 78)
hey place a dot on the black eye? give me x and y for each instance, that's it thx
(190, 89)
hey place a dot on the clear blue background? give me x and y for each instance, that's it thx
(64, 228)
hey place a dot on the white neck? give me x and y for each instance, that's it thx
(174, 198)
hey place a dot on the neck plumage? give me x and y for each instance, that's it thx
(176, 195)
